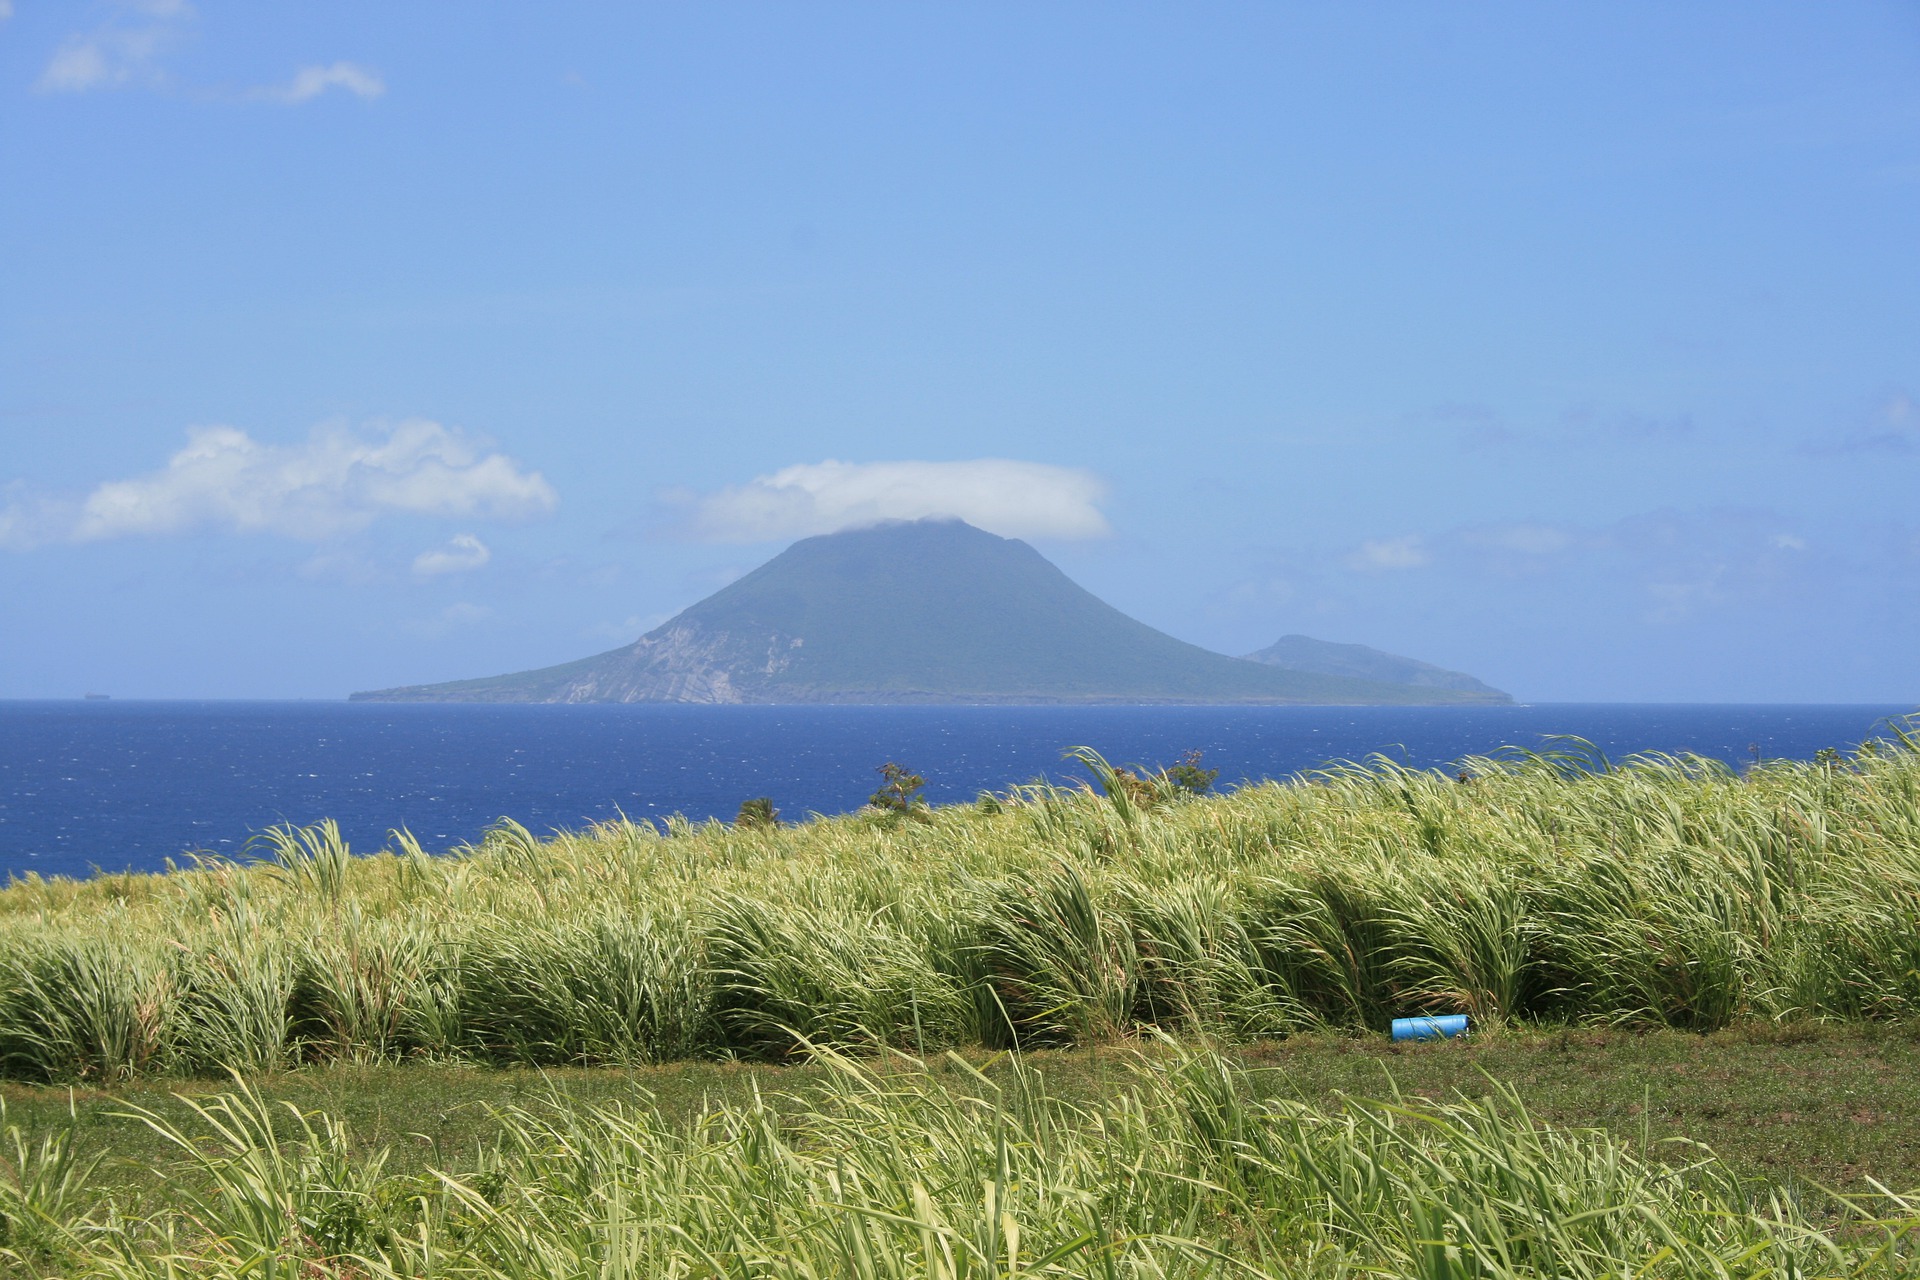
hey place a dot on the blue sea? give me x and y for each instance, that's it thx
(118, 785)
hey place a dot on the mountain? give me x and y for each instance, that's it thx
(926, 611)
(1358, 662)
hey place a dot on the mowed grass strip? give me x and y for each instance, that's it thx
(1832, 1106)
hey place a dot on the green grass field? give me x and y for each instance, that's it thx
(619, 1051)
(1144, 1159)
(1833, 1106)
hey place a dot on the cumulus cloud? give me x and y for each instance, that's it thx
(463, 552)
(124, 51)
(112, 57)
(336, 481)
(1385, 555)
(310, 82)
(1013, 499)
(129, 50)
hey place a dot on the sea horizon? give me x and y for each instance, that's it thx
(115, 784)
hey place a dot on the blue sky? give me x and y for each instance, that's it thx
(1575, 346)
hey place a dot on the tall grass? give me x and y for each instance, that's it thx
(1663, 891)
(890, 1171)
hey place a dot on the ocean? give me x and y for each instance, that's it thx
(127, 785)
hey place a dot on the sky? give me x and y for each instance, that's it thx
(353, 345)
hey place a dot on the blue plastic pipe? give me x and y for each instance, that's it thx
(1434, 1027)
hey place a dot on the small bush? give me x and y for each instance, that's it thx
(757, 814)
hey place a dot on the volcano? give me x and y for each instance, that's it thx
(930, 611)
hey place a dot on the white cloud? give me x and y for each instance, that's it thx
(6, 9)
(107, 59)
(462, 552)
(125, 51)
(1384, 555)
(310, 82)
(336, 481)
(129, 49)
(1013, 499)
(76, 67)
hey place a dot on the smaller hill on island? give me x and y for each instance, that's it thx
(929, 611)
(1358, 662)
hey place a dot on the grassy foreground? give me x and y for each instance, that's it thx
(1161, 1161)
(1553, 890)
(1594, 919)
(1832, 1105)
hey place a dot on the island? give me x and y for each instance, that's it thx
(927, 611)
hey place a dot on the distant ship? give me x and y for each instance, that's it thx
(98, 697)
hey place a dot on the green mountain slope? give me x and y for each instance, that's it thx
(930, 611)
(1358, 662)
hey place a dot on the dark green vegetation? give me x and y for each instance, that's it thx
(757, 813)
(928, 611)
(899, 791)
(1358, 662)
